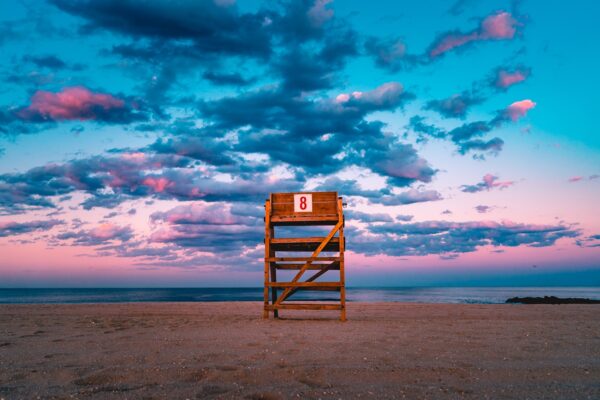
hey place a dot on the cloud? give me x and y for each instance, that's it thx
(51, 62)
(77, 103)
(424, 130)
(455, 106)
(443, 237)
(210, 27)
(498, 26)
(234, 79)
(466, 136)
(202, 148)
(10, 228)
(318, 14)
(483, 209)
(98, 235)
(273, 122)
(206, 214)
(391, 54)
(504, 78)
(110, 180)
(579, 178)
(409, 197)
(519, 109)
(213, 228)
(489, 182)
(366, 217)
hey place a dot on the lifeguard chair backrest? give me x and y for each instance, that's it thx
(304, 207)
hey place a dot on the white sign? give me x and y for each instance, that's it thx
(303, 202)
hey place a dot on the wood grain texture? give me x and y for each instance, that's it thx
(327, 210)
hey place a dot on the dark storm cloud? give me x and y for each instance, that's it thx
(11, 228)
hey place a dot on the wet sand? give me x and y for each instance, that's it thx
(225, 350)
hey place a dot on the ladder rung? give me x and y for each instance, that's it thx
(291, 259)
(331, 266)
(304, 306)
(305, 284)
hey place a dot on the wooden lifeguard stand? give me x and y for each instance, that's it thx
(300, 210)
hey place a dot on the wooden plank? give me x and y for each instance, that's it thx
(311, 279)
(317, 289)
(312, 239)
(303, 284)
(304, 244)
(314, 255)
(304, 306)
(332, 266)
(291, 259)
(324, 203)
(304, 221)
(273, 288)
(267, 255)
(341, 263)
(327, 209)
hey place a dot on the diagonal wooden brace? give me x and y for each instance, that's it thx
(314, 255)
(312, 278)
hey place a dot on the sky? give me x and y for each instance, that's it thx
(139, 140)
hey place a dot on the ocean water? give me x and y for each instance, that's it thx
(476, 295)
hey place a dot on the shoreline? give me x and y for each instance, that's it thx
(225, 350)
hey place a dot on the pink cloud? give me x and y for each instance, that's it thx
(73, 103)
(203, 214)
(575, 179)
(107, 231)
(505, 79)
(492, 181)
(158, 184)
(519, 109)
(383, 95)
(488, 182)
(318, 14)
(498, 26)
(452, 41)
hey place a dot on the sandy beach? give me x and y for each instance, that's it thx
(225, 350)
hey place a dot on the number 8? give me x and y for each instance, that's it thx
(303, 203)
